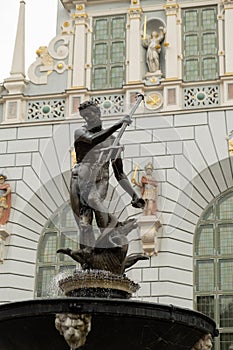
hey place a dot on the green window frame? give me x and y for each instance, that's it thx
(60, 232)
(200, 44)
(213, 266)
(109, 52)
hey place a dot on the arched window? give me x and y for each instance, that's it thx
(60, 231)
(213, 259)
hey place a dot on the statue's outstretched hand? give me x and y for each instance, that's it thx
(138, 202)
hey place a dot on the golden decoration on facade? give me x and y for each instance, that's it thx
(134, 174)
(73, 157)
(60, 65)
(79, 15)
(171, 6)
(135, 9)
(79, 7)
(66, 24)
(144, 28)
(153, 80)
(45, 57)
(153, 100)
(229, 139)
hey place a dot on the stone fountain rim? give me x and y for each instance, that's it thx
(110, 307)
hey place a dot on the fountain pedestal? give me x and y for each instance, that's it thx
(98, 283)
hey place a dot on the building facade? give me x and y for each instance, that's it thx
(178, 54)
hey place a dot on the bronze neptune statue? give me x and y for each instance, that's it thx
(95, 149)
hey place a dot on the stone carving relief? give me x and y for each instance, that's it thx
(5, 206)
(153, 36)
(197, 96)
(149, 189)
(110, 104)
(50, 59)
(205, 343)
(148, 223)
(46, 109)
(74, 328)
(5, 200)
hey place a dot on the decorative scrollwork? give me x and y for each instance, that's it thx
(46, 109)
(110, 104)
(202, 96)
(58, 47)
(50, 59)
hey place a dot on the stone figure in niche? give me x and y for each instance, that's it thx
(89, 186)
(153, 45)
(149, 190)
(74, 328)
(5, 200)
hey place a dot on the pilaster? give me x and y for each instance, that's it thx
(221, 50)
(172, 41)
(79, 68)
(134, 48)
(228, 7)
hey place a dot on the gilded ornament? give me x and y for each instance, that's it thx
(79, 7)
(43, 53)
(229, 139)
(66, 24)
(60, 65)
(39, 52)
(135, 10)
(73, 158)
(153, 100)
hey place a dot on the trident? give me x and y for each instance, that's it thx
(116, 146)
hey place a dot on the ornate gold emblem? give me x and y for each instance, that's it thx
(153, 100)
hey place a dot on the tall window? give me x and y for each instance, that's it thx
(214, 267)
(60, 232)
(200, 44)
(109, 52)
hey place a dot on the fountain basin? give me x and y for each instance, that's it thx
(116, 324)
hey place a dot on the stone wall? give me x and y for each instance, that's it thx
(192, 166)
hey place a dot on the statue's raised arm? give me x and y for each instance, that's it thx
(95, 149)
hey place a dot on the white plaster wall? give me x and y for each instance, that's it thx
(190, 155)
